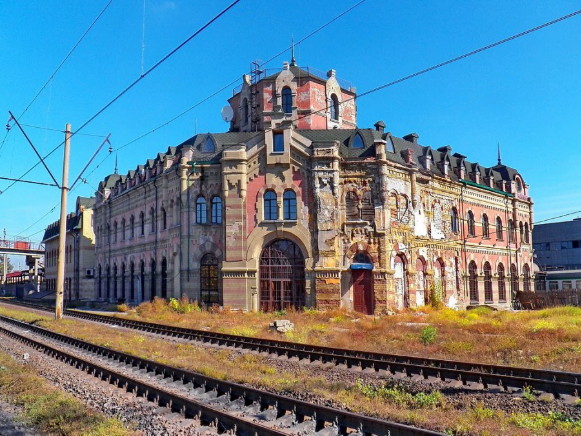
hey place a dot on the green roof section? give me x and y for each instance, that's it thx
(486, 188)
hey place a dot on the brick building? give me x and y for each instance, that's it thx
(297, 206)
(79, 252)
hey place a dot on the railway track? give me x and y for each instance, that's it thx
(228, 407)
(559, 383)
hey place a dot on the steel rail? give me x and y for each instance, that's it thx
(321, 417)
(558, 383)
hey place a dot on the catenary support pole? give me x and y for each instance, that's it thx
(60, 270)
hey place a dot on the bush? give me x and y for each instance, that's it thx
(428, 335)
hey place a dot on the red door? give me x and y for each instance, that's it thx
(362, 291)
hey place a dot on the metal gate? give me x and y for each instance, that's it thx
(282, 276)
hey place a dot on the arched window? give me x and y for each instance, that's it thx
(471, 224)
(163, 218)
(526, 278)
(527, 233)
(131, 281)
(152, 219)
(367, 207)
(394, 208)
(487, 283)
(358, 141)
(289, 202)
(209, 293)
(518, 185)
(100, 281)
(473, 282)
(334, 107)
(351, 206)
(142, 221)
(501, 282)
(521, 230)
(115, 281)
(485, 227)
(132, 226)
(513, 279)
(201, 210)
(270, 206)
(499, 230)
(287, 100)
(123, 225)
(115, 230)
(454, 225)
(164, 278)
(209, 145)
(511, 232)
(216, 211)
(108, 233)
(245, 110)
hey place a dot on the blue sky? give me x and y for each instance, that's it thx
(524, 94)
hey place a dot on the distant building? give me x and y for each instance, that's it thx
(558, 255)
(79, 252)
(296, 206)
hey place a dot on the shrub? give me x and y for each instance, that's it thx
(428, 335)
(122, 307)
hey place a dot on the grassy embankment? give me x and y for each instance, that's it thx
(541, 339)
(49, 409)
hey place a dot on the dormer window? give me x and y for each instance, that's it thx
(446, 167)
(518, 185)
(209, 145)
(334, 107)
(358, 142)
(278, 142)
(287, 100)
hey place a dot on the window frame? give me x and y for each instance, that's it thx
(201, 210)
(216, 210)
(286, 100)
(289, 203)
(270, 206)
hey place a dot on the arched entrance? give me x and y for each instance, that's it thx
(164, 278)
(362, 275)
(400, 279)
(282, 276)
(420, 282)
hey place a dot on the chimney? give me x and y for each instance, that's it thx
(379, 126)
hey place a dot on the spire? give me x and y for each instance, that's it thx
(499, 159)
(293, 62)
(116, 172)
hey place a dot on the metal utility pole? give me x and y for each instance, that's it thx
(60, 266)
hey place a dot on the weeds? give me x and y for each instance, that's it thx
(528, 394)
(428, 335)
(400, 397)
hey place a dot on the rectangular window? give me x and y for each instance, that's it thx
(578, 284)
(565, 245)
(567, 285)
(278, 142)
(575, 244)
(553, 285)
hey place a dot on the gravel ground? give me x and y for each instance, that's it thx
(137, 413)
(10, 425)
(149, 419)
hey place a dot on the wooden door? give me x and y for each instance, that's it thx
(362, 291)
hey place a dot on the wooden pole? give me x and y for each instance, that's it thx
(60, 271)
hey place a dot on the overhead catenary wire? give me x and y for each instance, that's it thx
(233, 82)
(386, 85)
(135, 82)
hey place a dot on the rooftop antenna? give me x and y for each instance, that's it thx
(499, 159)
(293, 62)
(116, 171)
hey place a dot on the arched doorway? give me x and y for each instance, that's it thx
(400, 278)
(164, 278)
(153, 280)
(362, 275)
(282, 276)
(209, 292)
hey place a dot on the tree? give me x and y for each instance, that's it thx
(10, 267)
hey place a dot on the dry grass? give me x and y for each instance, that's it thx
(482, 335)
(50, 409)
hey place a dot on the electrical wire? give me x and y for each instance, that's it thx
(66, 58)
(135, 82)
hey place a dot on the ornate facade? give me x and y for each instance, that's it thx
(296, 206)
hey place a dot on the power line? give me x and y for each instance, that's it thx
(135, 82)
(181, 114)
(66, 58)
